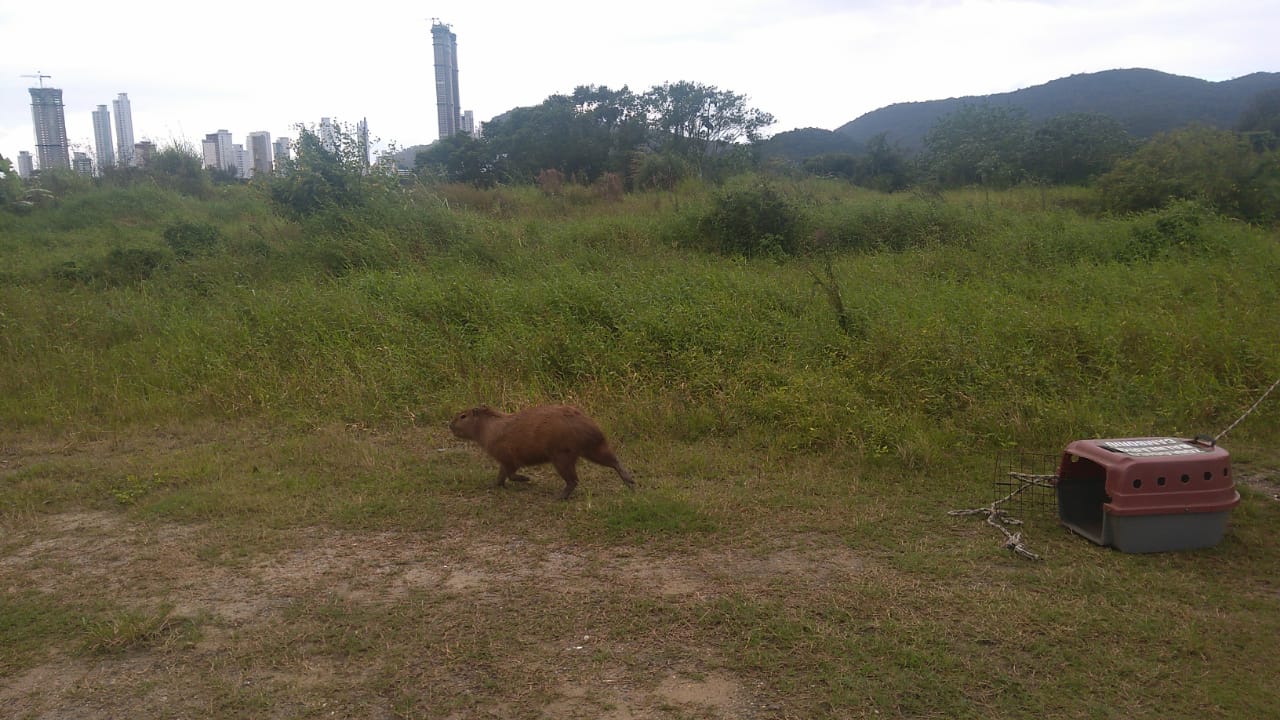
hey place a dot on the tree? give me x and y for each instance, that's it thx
(327, 173)
(1261, 120)
(10, 183)
(697, 120)
(458, 158)
(981, 144)
(1073, 148)
(180, 168)
(1216, 167)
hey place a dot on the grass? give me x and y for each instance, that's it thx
(228, 489)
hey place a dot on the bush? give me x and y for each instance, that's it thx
(752, 220)
(1180, 224)
(188, 239)
(1216, 167)
(896, 225)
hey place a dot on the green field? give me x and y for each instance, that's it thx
(227, 488)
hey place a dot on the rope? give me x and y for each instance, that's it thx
(998, 518)
(1248, 412)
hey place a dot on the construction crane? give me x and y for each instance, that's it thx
(40, 76)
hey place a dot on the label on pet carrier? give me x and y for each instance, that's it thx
(1153, 447)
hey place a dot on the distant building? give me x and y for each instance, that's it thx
(124, 129)
(26, 168)
(241, 161)
(328, 135)
(102, 138)
(258, 145)
(51, 128)
(219, 151)
(143, 152)
(281, 150)
(362, 140)
(469, 123)
(82, 163)
(445, 46)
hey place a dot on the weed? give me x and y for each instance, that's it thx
(131, 630)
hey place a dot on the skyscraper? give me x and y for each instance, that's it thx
(82, 163)
(26, 168)
(328, 135)
(102, 138)
(259, 149)
(124, 128)
(219, 152)
(281, 149)
(445, 44)
(51, 128)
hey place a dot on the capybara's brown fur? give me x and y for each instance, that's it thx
(556, 434)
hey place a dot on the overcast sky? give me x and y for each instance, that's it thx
(191, 69)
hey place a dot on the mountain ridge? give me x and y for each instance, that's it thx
(1145, 101)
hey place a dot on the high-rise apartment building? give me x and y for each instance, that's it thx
(445, 45)
(219, 151)
(281, 150)
(102, 138)
(124, 129)
(241, 161)
(258, 146)
(82, 163)
(26, 168)
(51, 128)
(328, 134)
(143, 151)
(362, 141)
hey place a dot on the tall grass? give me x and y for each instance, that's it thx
(996, 322)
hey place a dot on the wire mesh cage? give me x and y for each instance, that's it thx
(1023, 483)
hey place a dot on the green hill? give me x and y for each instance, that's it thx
(1145, 101)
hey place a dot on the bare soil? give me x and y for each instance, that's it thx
(259, 627)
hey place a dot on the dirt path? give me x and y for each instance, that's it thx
(263, 623)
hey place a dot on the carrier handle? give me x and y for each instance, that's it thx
(1205, 440)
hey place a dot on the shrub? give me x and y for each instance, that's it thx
(752, 220)
(188, 239)
(1217, 167)
(1179, 224)
(896, 225)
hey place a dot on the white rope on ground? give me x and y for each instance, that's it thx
(998, 518)
(1248, 412)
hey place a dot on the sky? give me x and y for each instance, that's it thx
(253, 65)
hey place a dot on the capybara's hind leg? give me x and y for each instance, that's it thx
(566, 465)
(504, 472)
(603, 455)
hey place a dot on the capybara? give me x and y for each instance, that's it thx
(556, 434)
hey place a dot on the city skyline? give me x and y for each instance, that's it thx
(811, 63)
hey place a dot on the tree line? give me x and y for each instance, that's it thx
(648, 139)
(653, 140)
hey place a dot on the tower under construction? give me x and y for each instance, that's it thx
(51, 128)
(448, 106)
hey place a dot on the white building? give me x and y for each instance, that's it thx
(219, 151)
(328, 136)
(281, 148)
(241, 159)
(26, 165)
(124, 129)
(102, 138)
(82, 163)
